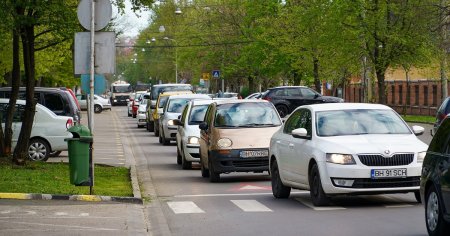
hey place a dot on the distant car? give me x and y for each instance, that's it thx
(48, 132)
(130, 103)
(172, 109)
(346, 148)
(139, 96)
(287, 98)
(235, 136)
(435, 184)
(141, 116)
(254, 96)
(100, 103)
(441, 114)
(188, 132)
(159, 108)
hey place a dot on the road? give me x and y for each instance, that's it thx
(181, 202)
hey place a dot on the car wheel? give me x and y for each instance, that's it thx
(417, 196)
(156, 130)
(38, 150)
(434, 219)
(160, 139)
(97, 109)
(187, 165)
(134, 115)
(178, 157)
(55, 153)
(279, 190)
(151, 128)
(205, 172)
(165, 141)
(214, 176)
(282, 110)
(318, 196)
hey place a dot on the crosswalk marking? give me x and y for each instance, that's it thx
(61, 213)
(184, 207)
(309, 204)
(251, 206)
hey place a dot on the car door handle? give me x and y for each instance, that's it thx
(291, 145)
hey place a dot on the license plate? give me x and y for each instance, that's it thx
(256, 153)
(388, 173)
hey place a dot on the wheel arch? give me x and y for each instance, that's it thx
(43, 139)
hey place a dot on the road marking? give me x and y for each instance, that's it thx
(398, 206)
(5, 212)
(184, 207)
(30, 212)
(251, 206)
(84, 214)
(309, 204)
(61, 213)
(230, 194)
(253, 187)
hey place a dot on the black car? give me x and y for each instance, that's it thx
(287, 98)
(435, 182)
(442, 112)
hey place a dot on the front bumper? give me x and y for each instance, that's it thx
(364, 183)
(232, 162)
(141, 119)
(170, 132)
(192, 152)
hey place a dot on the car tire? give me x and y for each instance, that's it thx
(318, 196)
(55, 154)
(178, 157)
(165, 141)
(214, 176)
(417, 196)
(156, 130)
(186, 165)
(282, 110)
(134, 115)
(204, 171)
(97, 109)
(151, 128)
(160, 139)
(279, 190)
(434, 220)
(38, 150)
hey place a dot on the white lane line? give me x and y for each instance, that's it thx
(230, 194)
(84, 214)
(61, 213)
(251, 206)
(5, 212)
(184, 207)
(309, 204)
(398, 205)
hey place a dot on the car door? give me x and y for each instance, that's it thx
(301, 149)
(17, 123)
(205, 135)
(181, 128)
(295, 98)
(444, 167)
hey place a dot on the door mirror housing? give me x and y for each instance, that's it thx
(203, 126)
(418, 130)
(300, 133)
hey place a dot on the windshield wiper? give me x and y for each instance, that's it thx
(256, 125)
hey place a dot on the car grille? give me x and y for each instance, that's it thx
(379, 160)
(195, 155)
(122, 98)
(387, 183)
(251, 163)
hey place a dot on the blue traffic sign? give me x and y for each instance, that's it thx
(99, 83)
(216, 73)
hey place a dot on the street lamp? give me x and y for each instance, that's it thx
(176, 58)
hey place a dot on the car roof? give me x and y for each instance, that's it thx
(160, 85)
(345, 106)
(227, 101)
(202, 102)
(172, 93)
(193, 95)
(279, 87)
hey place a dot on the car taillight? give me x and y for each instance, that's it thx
(267, 98)
(69, 123)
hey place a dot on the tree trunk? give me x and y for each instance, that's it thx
(381, 86)
(21, 151)
(297, 78)
(444, 79)
(251, 84)
(317, 82)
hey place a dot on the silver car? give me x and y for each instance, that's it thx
(189, 132)
(172, 109)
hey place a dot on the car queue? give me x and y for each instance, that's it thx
(328, 149)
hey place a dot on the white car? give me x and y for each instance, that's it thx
(346, 148)
(48, 132)
(172, 109)
(189, 133)
(141, 114)
(100, 103)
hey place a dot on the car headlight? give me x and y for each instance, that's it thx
(192, 140)
(170, 122)
(343, 159)
(224, 142)
(421, 156)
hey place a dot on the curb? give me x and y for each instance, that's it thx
(86, 198)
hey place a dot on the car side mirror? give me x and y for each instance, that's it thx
(418, 130)
(203, 126)
(300, 133)
(177, 122)
(317, 95)
(179, 117)
(153, 106)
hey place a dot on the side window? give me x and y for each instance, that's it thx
(54, 103)
(292, 122)
(3, 110)
(307, 93)
(18, 113)
(208, 115)
(293, 92)
(184, 114)
(299, 119)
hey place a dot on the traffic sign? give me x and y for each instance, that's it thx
(216, 73)
(205, 76)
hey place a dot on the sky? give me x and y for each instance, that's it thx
(131, 23)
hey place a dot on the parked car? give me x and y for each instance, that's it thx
(156, 90)
(48, 132)
(441, 114)
(254, 96)
(346, 148)
(139, 96)
(130, 103)
(58, 100)
(287, 98)
(159, 108)
(188, 132)
(100, 103)
(141, 115)
(235, 136)
(172, 109)
(435, 184)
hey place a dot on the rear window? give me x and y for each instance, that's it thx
(162, 101)
(156, 90)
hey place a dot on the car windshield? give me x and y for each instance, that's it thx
(162, 101)
(122, 88)
(176, 105)
(252, 114)
(197, 114)
(359, 121)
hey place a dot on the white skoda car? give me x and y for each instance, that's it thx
(346, 148)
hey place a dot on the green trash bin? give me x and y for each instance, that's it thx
(79, 147)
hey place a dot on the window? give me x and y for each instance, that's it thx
(55, 103)
(299, 119)
(293, 92)
(18, 112)
(308, 93)
(425, 95)
(197, 114)
(416, 92)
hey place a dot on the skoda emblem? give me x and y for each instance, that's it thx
(386, 152)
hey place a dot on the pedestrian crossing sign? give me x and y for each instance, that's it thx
(216, 73)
